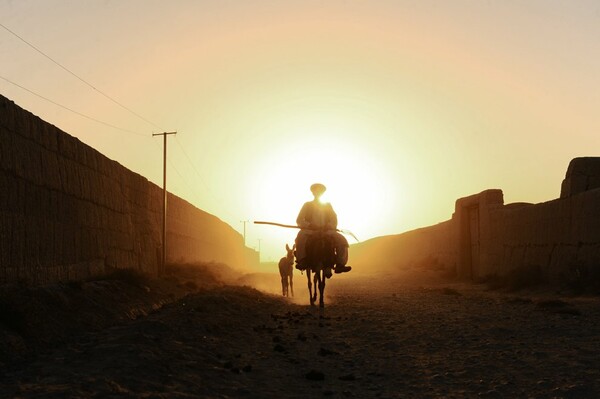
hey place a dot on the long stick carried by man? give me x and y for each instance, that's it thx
(293, 226)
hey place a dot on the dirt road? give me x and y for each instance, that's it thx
(375, 339)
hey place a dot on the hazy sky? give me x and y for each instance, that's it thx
(399, 107)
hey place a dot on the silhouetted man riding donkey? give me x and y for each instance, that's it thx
(318, 220)
(319, 248)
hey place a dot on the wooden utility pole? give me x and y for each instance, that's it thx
(244, 222)
(259, 240)
(163, 264)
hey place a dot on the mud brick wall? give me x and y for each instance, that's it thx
(431, 247)
(558, 239)
(582, 175)
(67, 212)
(195, 235)
(475, 233)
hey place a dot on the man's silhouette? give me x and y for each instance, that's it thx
(315, 216)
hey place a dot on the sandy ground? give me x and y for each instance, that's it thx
(377, 338)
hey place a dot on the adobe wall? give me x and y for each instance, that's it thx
(68, 212)
(560, 239)
(582, 175)
(431, 247)
(473, 228)
(557, 237)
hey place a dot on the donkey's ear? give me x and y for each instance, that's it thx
(288, 247)
(294, 246)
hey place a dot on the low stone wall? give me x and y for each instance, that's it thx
(68, 212)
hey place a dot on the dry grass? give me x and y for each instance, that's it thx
(11, 317)
(581, 279)
(32, 318)
(129, 276)
(523, 277)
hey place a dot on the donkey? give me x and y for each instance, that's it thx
(286, 271)
(320, 259)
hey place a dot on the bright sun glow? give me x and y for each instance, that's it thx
(357, 185)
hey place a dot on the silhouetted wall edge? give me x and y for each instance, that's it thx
(67, 212)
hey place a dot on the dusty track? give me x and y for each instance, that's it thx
(382, 339)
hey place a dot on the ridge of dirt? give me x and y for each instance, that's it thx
(378, 337)
(33, 319)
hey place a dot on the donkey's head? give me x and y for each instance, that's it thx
(290, 252)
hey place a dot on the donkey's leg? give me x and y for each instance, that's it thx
(310, 295)
(283, 285)
(292, 280)
(315, 287)
(322, 290)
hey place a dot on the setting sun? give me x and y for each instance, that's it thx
(357, 184)
(397, 107)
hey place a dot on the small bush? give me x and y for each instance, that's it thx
(520, 301)
(450, 291)
(517, 279)
(191, 285)
(524, 277)
(581, 279)
(448, 273)
(430, 263)
(11, 318)
(129, 276)
(558, 306)
(493, 281)
(552, 303)
(75, 285)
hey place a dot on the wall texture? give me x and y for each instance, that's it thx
(68, 212)
(583, 174)
(429, 247)
(559, 239)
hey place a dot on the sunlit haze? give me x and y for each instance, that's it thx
(398, 107)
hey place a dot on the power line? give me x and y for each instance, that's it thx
(183, 179)
(191, 163)
(100, 121)
(72, 110)
(79, 78)
(198, 197)
(185, 182)
(200, 177)
(191, 188)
